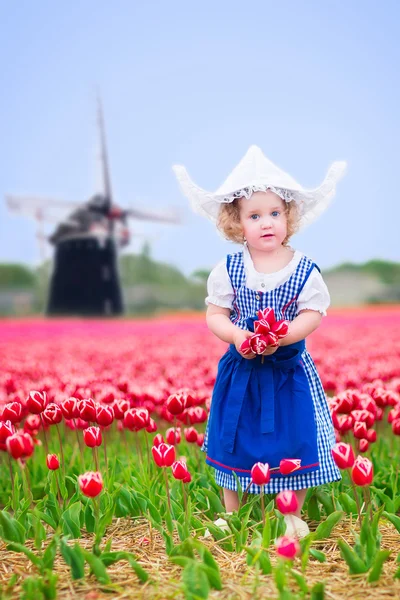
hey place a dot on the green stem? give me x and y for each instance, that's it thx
(61, 450)
(167, 488)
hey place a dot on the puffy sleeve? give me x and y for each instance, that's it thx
(219, 287)
(314, 295)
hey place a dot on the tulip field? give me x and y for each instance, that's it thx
(104, 490)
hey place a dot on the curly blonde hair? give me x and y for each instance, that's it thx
(229, 225)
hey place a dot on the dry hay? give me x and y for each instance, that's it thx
(239, 581)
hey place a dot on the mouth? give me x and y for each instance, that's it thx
(268, 235)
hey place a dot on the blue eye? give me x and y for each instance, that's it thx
(251, 216)
(275, 213)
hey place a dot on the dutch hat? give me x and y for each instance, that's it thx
(255, 172)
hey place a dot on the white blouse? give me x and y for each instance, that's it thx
(314, 295)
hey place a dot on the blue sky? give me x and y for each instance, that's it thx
(198, 83)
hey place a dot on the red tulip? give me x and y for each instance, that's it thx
(191, 435)
(176, 404)
(200, 439)
(280, 328)
(289, 465)
(362, 472)
(91, 483)
(158, 439)
(152, 426)
(363, 445)
(343, 455)
(286, 502)
(52, 414)
(371, 435)
(164, 455)
(258, 343)
(70, 408)
(52, 462)
(6, 429)
(262, 327)
(104, 415)
(173, 436)
(36, 402)
(136, 419)
(360, 430)
(92, 437)
(260, 473)
(179, 470)
(396, 427)
(267, 314)
(245, 347)
(87, 409)
(32, 424)
(20, 445)
(120, 407)
(12, 412)
(287, 547)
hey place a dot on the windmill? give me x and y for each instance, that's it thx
(85, 278)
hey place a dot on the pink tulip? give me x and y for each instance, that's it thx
(179, 470)
(286, 502)
(289, 465)
(91, 483)
(343, 455)
(52, 462)
(92, 437)
(104, 415)
(363, 471)
(260, 473)
(12, 412)
(164, 455)
(287, 547)
(52, 414)
(36, 402)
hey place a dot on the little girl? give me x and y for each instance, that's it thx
(266, 407)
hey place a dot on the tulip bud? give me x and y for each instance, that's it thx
(191, 435)
(371, 436)
(267, 314)
(87, 409)
(52, 414)
(158, 439)
(200, 439)
(258, 343)
(260, 473)
(6, 429)
(343, 455)
(362, 472)
(164, 455)
(92, 437)
(179, 470)
(70, 408)
(52, 462)
(396, 427)
(176, 404)
(173, 436)
(286, 502)
(120, 407)
(289, 465)
(152, 426)
(360, 430)
(287, 547)
(90, 483)
(36, 402)
(12, 412)
(363, 445)
(104, 415)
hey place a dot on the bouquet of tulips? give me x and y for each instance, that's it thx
(267, 332)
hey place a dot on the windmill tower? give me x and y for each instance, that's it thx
(85, 279)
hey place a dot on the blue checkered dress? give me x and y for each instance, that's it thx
(283, 300)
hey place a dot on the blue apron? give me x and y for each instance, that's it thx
(262, 410)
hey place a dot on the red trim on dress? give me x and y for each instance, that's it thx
(249, 470)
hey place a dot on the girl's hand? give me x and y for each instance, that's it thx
(238, 338)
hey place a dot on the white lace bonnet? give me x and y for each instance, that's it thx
(254, 173)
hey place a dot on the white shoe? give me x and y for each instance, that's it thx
(221, 523)
(295, 527)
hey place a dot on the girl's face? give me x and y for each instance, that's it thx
(264, 221)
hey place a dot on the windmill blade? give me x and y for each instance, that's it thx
(171, 216)
(32, 205)
(105, 170)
